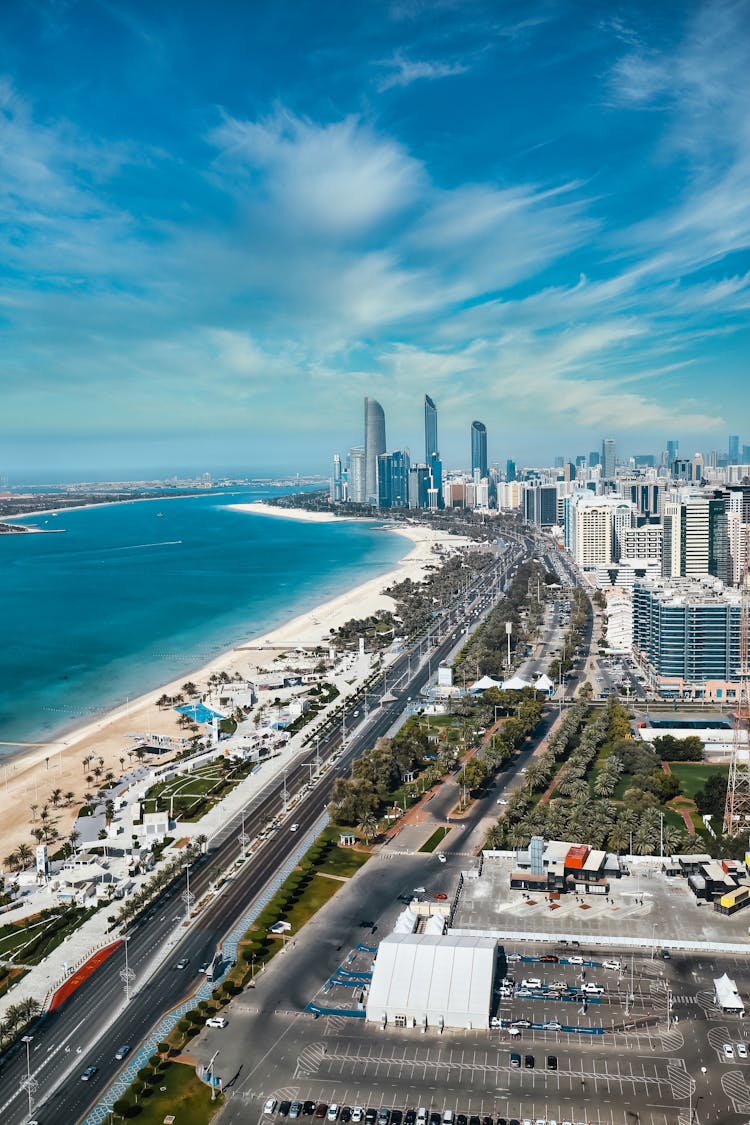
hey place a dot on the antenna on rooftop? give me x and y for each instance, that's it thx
(737, 807)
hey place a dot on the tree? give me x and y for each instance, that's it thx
(367, 827)
(25, 854)
(55, 797)
(710, 800)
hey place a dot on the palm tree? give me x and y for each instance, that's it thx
(89, 779)
(673, 839)
(25, 854)
(34, 810)
(122, 763)
(74, 838)
(109, 776)
(98, 770)
(11, 861)
(69, 797)
(109, 812)
(55, 797)
(367, 827)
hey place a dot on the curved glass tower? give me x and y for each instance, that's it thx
(374, 446)
(479, 448)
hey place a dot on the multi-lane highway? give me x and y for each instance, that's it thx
(88, 1029)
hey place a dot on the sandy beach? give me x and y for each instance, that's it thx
(29, 778)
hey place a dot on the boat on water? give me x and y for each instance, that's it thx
(160, 515)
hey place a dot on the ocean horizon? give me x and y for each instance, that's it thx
(135, 595)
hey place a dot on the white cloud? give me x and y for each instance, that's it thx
(404, 71)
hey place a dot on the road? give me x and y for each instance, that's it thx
(85, 1031)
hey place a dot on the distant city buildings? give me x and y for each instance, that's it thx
(374, 447)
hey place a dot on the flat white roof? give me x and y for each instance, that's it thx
(433, 976)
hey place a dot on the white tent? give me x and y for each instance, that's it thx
(405, 922)
(544, 683)
(515, 684)
(424, 980)
(727, 996)
(483, 684)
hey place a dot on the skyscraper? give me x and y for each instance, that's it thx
(510, 470)
(672, 447)
(430, 430)
(374, 446)
(608, 459)
(479, 448)
(356, 475)
(336, 481)
(393, 479)
(734, 449)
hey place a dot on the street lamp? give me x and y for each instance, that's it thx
(28, 1083)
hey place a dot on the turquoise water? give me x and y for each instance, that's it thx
(125, 601)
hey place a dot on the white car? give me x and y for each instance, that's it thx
(216, 1021)
(441, 858)
(294, 828)
(531, 982)
(575, 960)
(358, 1114)
(270, 1106)
(741, 1051)
(728, 1051)
(333, 1112)
(592, 989)
(612, 965)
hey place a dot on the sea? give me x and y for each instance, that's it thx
(134, 595)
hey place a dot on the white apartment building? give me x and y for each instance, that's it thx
(509, 494)
(619, 617)
(739, 532)
(642, 543)
(597, 527)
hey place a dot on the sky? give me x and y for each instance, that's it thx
(222, 225)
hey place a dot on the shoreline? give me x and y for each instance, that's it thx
(56, 764)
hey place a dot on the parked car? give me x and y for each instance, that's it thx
(270, 1106)
(575, 960)
(333, 1112)
(591, 989)
(308, 1108)
(612, 964)
(384, 1116)
(741, 1051)
(284, 1108)
(217, 1021)
(728, 1051)
(295, 1109)
(515, 1060)
(551, 1062)
(358, 1114)
(531, 982)
(528, 1062)
(321, 1110)
(346, 1114)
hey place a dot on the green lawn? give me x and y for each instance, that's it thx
(185, 1096)
(693, 776)
(438, 835)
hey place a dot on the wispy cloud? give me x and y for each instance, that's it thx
(403, 71)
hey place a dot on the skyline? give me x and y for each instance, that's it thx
(537, 215)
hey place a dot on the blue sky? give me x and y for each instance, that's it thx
(221, 225)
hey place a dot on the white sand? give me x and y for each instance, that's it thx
(30, 777)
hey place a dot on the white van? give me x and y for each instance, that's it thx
(447, 1117)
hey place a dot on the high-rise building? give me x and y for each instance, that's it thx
(540, 504)
(608, 461)
(374, 446)
(672, 448)
(419, 485)
(479, 448)
(393, 479)
(336, 493)
(734, 449)
(696, 537)
(594, 459)
(356, 475)
(689, 632)
(436, 478)
(431, 448)
(510, 470)
(745, 455)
